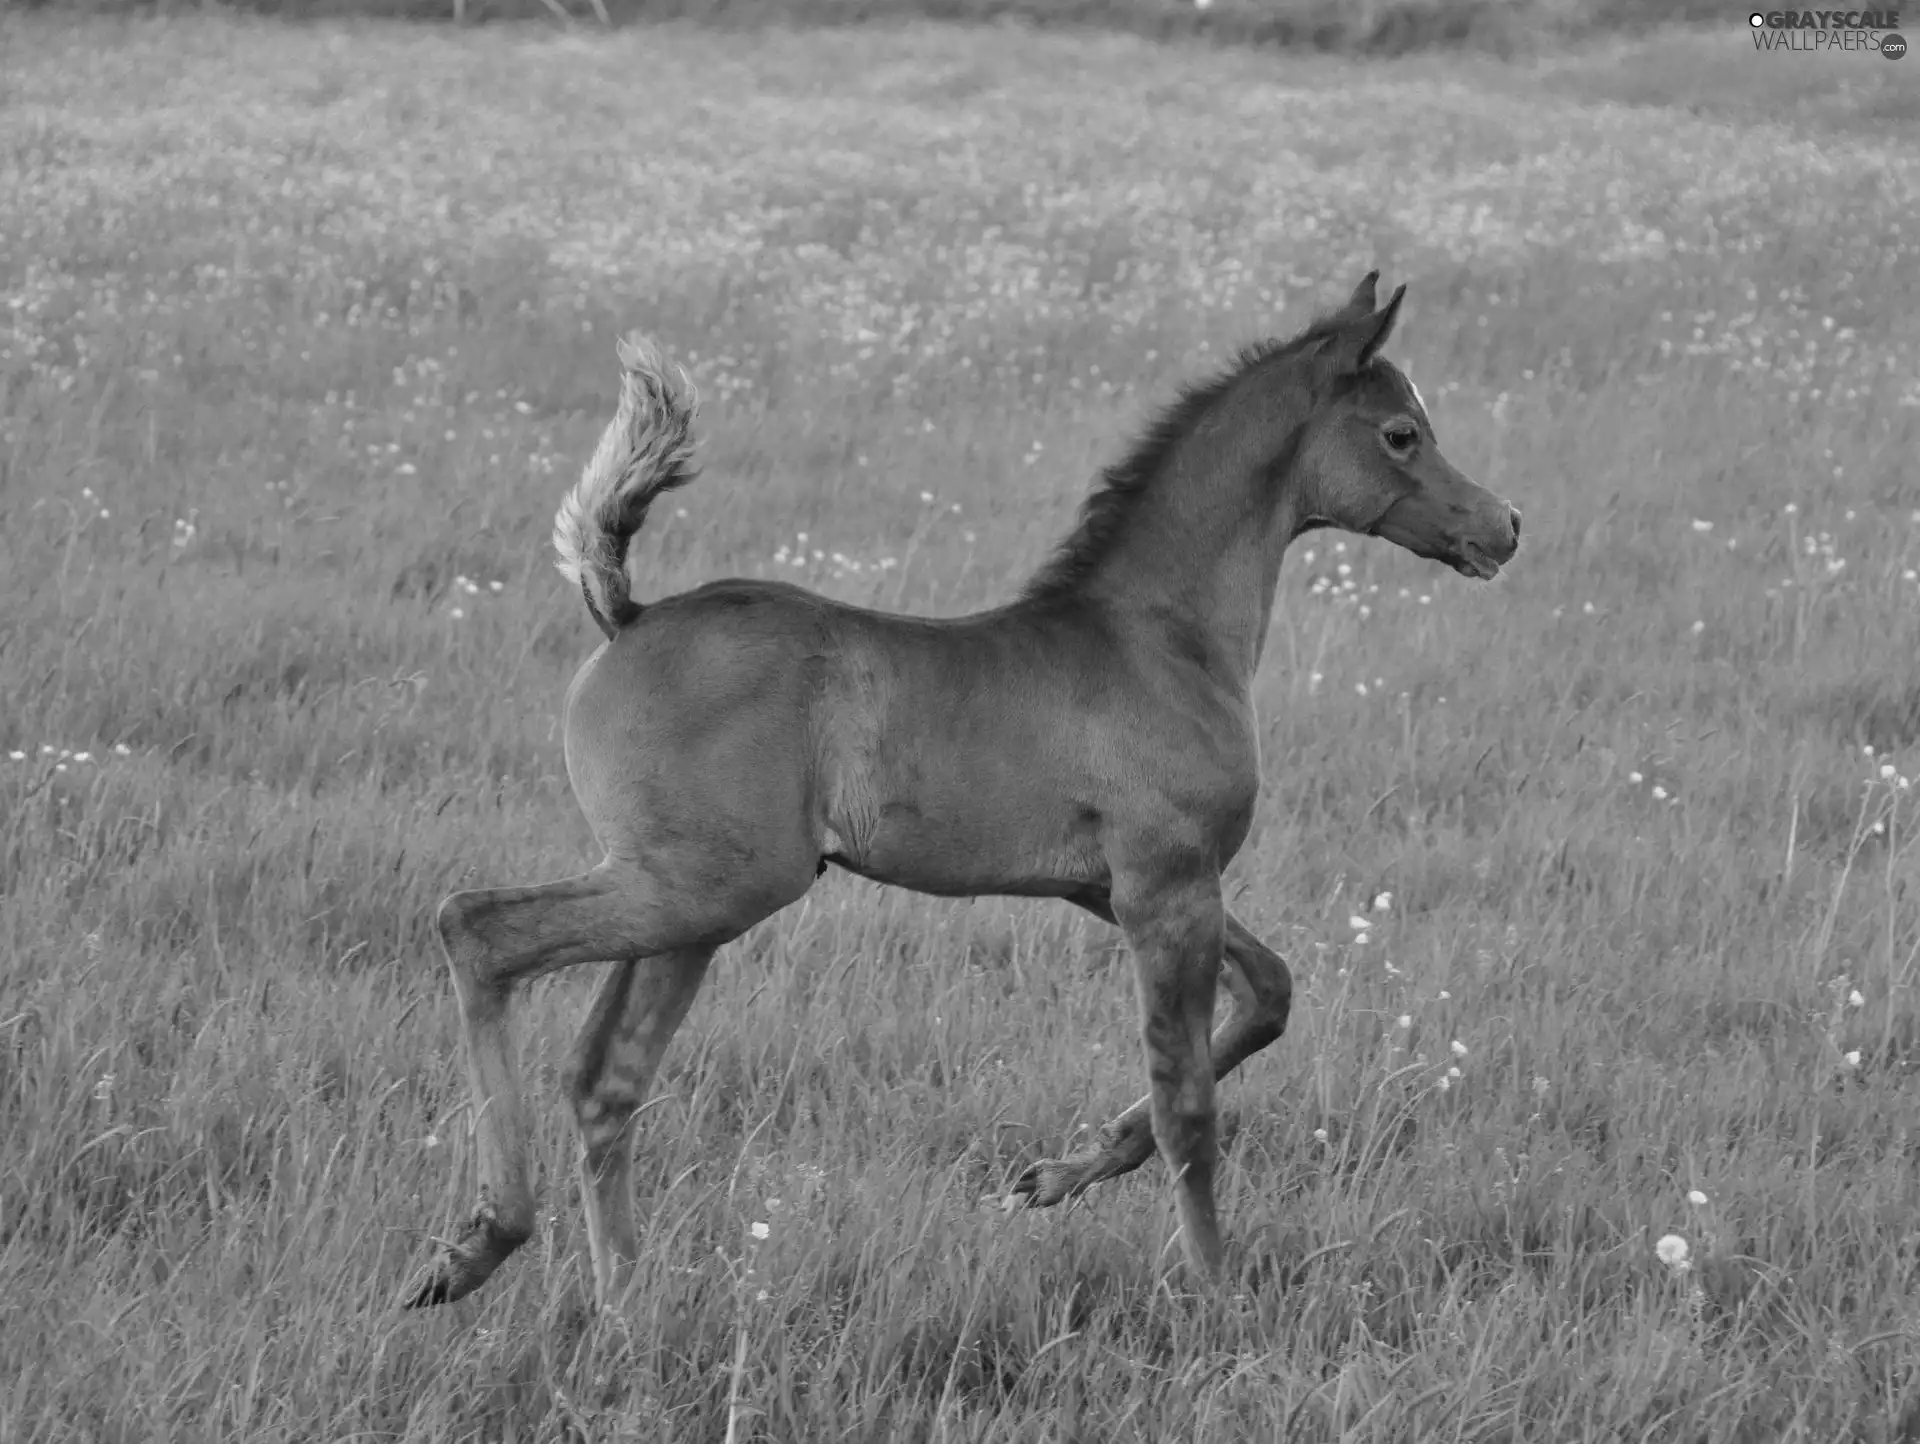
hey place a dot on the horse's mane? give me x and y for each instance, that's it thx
(1124, 483)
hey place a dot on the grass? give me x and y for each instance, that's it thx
(306, 331)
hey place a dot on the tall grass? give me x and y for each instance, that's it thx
(305, 332)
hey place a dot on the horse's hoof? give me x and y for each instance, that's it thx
(1044, 1184)
(466, 1263)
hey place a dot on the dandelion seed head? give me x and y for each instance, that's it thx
(1672, 1251)
(1459, 1048)
(1319, 1135)
(1857, 999)
(1405, 1020)
(760, 1230)
(1697, 1198)
(1852, 1058)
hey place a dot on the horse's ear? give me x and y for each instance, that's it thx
(1361, 302)
(1359, 339)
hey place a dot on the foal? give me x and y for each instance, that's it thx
(1093, 740)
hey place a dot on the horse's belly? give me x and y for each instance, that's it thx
(1030, 845)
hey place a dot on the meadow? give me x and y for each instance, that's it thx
(1599, 882)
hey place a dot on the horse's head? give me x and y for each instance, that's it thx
(1369, 462)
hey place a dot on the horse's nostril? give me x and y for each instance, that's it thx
(1516, 521)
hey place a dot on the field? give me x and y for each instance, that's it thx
(1599, 882)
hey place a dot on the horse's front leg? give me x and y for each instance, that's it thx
(1261, 986)
(1171, 913)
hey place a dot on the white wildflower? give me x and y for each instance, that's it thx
(1672, 1251)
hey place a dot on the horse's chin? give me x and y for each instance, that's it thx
(1473, 566)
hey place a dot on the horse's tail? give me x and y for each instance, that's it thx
(647, 449)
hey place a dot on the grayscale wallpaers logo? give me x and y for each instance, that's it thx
(1866, 31)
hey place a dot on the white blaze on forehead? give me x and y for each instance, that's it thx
(1418, 399)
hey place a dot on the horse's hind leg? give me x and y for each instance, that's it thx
(493, 940)
(1262, 990)
(634, 1017)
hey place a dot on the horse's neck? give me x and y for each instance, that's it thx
(1205, 564)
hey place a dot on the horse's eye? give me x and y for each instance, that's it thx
(1402, 438)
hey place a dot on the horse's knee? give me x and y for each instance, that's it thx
(1268, 1001)
(1273, 1005)
(1188, 1137)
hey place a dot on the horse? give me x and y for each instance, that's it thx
(1092, 740)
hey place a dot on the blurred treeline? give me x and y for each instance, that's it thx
(1352, 26)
